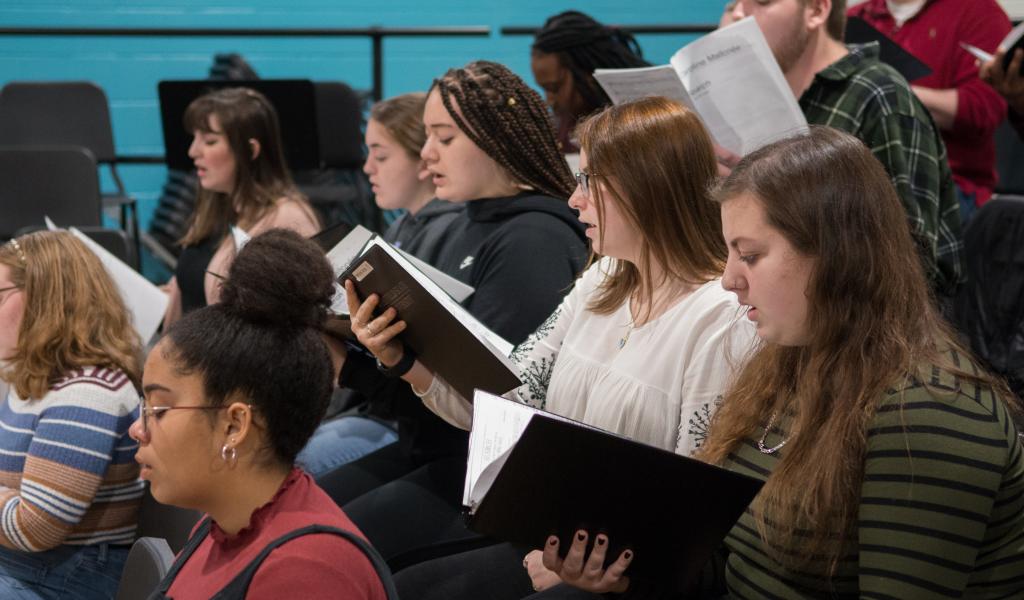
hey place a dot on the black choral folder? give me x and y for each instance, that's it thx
(859, 31)
(561, 476)
(433, 332)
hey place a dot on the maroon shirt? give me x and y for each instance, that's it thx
(933, 35)
(318, 565)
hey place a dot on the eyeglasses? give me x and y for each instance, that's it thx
(7, 289)
(583, 180)
(154, 412)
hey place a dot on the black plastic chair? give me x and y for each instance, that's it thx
(148, 562)
(72, 113)
(166, 522)
(60, 182)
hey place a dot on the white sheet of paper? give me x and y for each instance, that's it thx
(623, 85)
(722, 72)
(145, 301)
(976, 52)
(497, 425)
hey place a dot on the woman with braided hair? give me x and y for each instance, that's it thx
(563, 58)
(491, 147)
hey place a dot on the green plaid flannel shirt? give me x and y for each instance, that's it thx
(869, 99)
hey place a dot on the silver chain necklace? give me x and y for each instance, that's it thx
(760, 444)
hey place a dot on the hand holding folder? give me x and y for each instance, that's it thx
(532, 475)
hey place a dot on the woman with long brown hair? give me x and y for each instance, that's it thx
(490, 146)
(892, 464)
(243, 183)
(639, 346)
(69, 365)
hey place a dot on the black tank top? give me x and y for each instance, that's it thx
(238, 587)
(191, 272)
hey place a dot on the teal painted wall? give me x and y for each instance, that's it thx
(129, 68)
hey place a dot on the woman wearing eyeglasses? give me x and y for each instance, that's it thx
(641, 346)
(232, 393)
(69, 361)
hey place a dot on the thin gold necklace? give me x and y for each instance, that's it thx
(760, 444)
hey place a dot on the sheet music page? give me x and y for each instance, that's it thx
(350, 246)
(453, 287)
(145, 301)
(497, 425)
(623, 85)
(738, 89)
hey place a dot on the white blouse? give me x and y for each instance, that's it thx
(658, 383)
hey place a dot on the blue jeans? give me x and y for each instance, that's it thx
(341, 441)
(85, 572)
(967, 206)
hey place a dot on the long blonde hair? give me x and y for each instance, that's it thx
(656, 161)
(873, 327)
(73, 317)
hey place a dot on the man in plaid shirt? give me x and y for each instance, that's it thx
(848, 88)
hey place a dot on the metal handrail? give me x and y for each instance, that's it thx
(634, 29)
(375, 33)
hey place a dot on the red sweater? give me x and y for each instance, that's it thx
(312, 566)
(934, 35)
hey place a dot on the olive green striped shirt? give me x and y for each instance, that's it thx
(941, 511)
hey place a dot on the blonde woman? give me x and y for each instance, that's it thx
(69, 488)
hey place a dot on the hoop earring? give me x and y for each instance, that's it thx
(228, 453)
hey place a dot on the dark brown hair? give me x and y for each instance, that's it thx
(244, 115)
(873, 327)
(655, 159)
(508, 120)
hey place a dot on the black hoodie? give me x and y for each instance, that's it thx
(521, 253)
(424, 234)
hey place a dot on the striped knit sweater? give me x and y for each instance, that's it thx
(941, 511)
(67, 468)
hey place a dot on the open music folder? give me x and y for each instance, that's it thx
(532, 474)
(444, 336)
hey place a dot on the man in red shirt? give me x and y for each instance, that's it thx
(966, 110)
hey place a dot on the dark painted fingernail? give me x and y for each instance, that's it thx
(627, 555)
(600, 541)
(552, 541)
(581, 536)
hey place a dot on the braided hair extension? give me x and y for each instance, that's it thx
(582, 45)
(508, 120)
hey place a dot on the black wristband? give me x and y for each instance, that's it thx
(401, 367)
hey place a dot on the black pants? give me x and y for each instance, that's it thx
(492, 573)
(409, 513)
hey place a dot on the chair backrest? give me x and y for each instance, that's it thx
(73, 113)
(166, 522)
(148, 561)
(114, 241)
(339, 118)
(60, 182)
(1009, 160)
(988, 308)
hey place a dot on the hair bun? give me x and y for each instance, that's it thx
(280, 278)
